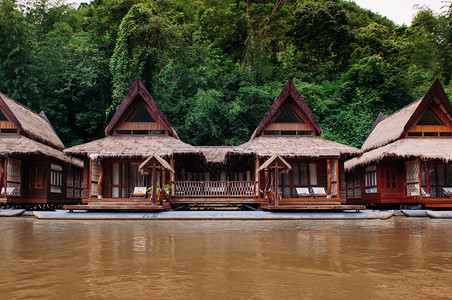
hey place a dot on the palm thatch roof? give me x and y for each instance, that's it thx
(395, 126)
(289, 91)
(15, 144)
(215, 154)
(294, 146)
(140, 147)
(427, 148)
(29, 123)
(138, 88)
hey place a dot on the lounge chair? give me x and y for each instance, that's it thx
(318, 192)
(9, 191)
(303, 192)
(139, 192)
(447, 192)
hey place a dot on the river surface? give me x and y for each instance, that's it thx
(404, 258)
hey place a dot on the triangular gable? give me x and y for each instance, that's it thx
(273, 161)
(9, 114)
(289, 91)
(435, 91)
(138, 89)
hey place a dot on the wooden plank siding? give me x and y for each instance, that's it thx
(447, 127)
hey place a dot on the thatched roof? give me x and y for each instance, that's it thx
(145, 166)
(215, 154)
(289, 91)
(427, 148)
(294, 146)
(29, 123)
(15, 144)
(396, 125)
(138, 88)
(132, 147)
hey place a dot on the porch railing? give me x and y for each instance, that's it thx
(214, 189)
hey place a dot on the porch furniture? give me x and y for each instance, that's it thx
(318, 192)
(303, 192)
(139, 192)
(9, 191)
(447, 192)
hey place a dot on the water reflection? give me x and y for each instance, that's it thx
(399, 257)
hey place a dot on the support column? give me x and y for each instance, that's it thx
(2, 170)
(427, 178)
(328, 172)
(420, 178)
(173, 184)
(101, 177)
(154, 183)
(257, 178)
(276, 185)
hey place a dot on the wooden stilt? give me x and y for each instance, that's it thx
(427, 177)
(154, 183)
(420, 178)
(328, 172)
(101, 177)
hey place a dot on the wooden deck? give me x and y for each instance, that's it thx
(299, 207)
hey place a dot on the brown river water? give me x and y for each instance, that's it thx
(403, 258)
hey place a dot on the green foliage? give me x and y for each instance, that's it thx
(215, 67)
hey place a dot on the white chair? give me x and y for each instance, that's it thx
(9, 191)
(303, 192)
(139, 192)
(318, 191)
(447, 192)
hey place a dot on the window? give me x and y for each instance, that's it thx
(414, 133)
(271, 132)
(8, 130)
(370, 180)
(390, 178)
(445, 134)
(140, 115)
(123, 131)
(287, 115)
(56, 178)
(430, 133)
(13, 176)
(429, 118)
(288, 132)
(304, 132)
(36, 178)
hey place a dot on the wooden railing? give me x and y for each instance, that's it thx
(214, 189)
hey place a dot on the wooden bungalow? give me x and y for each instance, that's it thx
(407, 156)
(137, 132)
(33, 168)
(294, 168)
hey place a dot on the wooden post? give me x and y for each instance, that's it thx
(154, 183)
(420, 178)
(101, 177)
(5, 177)
(427, 177)
(337, 179)
(2, 175)
(90, 177)
(173, 185)
(257, 178)
(328, 172)
(276, 185)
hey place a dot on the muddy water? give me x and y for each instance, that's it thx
(400, 257)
